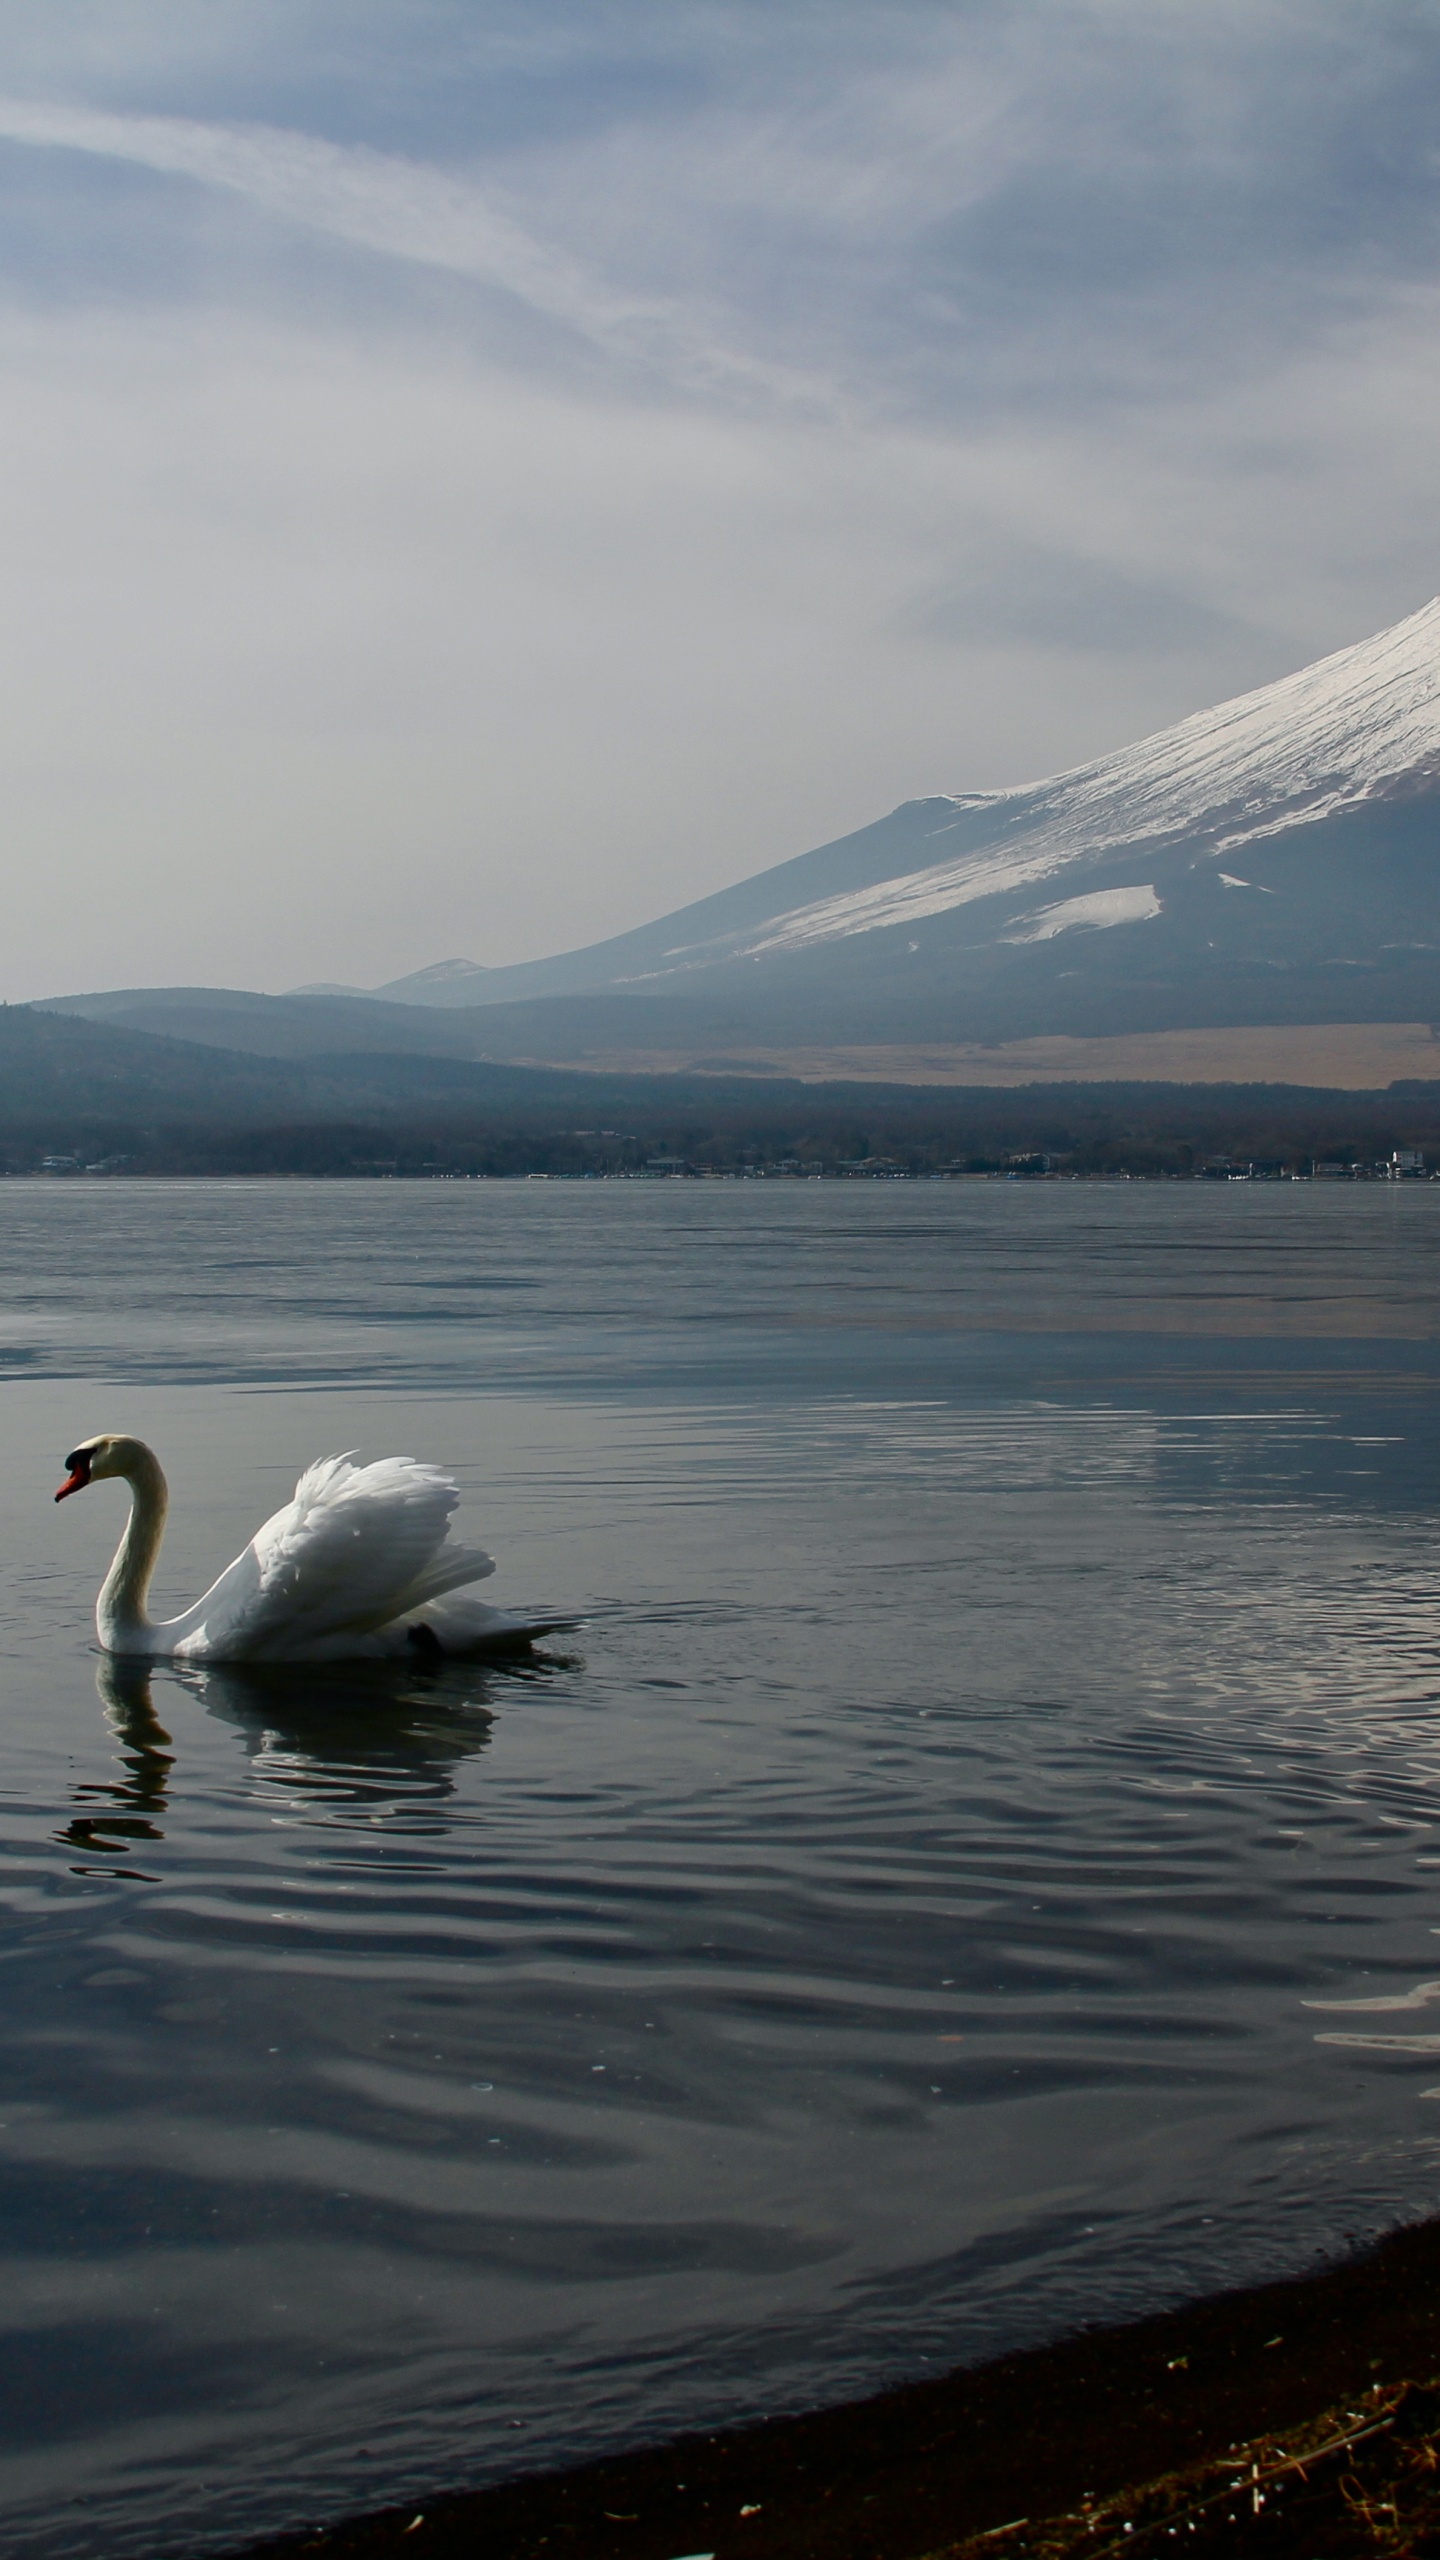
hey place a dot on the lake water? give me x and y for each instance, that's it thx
(976, 1871)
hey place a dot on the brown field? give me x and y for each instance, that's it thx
(1358, 1057)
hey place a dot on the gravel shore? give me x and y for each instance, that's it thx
(1296, 2418)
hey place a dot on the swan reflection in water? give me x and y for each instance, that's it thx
(360, 1743)
(126, 1807)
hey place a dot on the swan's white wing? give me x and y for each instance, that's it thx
(355, 1548)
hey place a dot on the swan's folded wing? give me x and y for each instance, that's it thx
(356, 1547)
(450, 1570)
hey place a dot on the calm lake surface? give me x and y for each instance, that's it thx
(977, 1870)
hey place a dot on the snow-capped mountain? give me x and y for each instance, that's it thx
(1275, 858)
(1356, 728)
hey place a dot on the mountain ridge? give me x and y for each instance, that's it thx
(1356, 729)
(1272, 860)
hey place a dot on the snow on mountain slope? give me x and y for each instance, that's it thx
(1352, 743)
(1356, 727)
(1097, 913)
(1103, 899)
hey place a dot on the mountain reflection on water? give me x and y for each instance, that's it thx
(924, 1916)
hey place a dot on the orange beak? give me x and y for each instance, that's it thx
(76, 1481)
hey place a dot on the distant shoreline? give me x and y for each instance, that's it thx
(1229, 1172)
(92, 1099)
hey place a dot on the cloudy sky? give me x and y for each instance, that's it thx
(476, 473)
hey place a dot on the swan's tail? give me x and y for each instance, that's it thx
(466, 1629)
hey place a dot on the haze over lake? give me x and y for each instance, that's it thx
(934, 1900)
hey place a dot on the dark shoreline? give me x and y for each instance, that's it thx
(919, 2470)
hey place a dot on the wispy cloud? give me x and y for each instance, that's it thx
(1023, 205)
(722, 423)
(402, 209)
(396, 206)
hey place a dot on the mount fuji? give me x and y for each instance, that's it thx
(1276, 859)
(1273, 861)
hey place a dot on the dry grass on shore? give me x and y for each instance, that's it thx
(1359, 2480)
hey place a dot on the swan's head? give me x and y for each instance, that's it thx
(108, 1454)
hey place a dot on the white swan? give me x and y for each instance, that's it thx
(354, 1569)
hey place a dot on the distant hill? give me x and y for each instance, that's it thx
(298, 1026)
(51, 1064)
(78, 1096)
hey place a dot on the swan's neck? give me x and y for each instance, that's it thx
(120, 1613)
